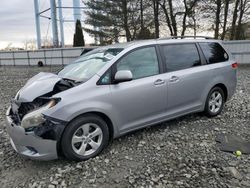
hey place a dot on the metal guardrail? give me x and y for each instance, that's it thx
(240, 49)
(62, 56)
(55, 56)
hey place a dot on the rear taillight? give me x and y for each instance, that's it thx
(235, 65)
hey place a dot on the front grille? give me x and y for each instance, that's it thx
(16, 119)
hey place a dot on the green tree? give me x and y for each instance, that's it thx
(104, 19)
(110, 20)
(78, 36)
(145, 34)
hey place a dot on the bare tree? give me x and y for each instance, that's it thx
(179, 15)
(167, 16)
(172, 17)
(30, 44)
(8, 47)
(138, 19)
(156, 18)
(125, 19)
(47, 42)
(189, 6)
(141, 14)
(168, 9)
(226, 7)
(217, 18)
(235, 15)
(244, 6)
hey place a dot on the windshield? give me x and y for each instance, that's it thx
(89, 64)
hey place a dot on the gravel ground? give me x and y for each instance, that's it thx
(177, 153)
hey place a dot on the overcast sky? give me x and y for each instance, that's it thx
(17, 22)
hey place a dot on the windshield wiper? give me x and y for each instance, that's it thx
(102, 58)
(71, 80)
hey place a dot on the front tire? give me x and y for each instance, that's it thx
(85, 137)
(215, 102)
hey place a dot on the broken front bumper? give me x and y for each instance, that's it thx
(28, 143)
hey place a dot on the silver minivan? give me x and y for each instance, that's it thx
(116, 89)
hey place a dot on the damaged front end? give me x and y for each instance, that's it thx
(33, 134)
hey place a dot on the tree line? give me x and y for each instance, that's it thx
(110, 20)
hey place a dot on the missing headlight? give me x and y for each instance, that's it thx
(35, 117)
(51, 129)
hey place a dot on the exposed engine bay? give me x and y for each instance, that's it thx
(24, 108)
(29, 116)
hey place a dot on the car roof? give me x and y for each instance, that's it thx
(157, 41)
(132, 43)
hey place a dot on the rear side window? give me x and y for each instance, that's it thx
(181, 56)
(214, 52)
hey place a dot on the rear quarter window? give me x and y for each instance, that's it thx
(214, 52)
(180, 56)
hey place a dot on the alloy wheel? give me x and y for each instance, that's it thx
(215, 102)
(87, 139)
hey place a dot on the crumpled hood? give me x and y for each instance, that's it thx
(38, 85)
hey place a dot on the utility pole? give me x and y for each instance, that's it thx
(37, 17)
(54, 23)
(53, 17)
(61, 23)
(76, 10)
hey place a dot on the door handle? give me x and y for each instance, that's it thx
(159, 82)
(174, 79)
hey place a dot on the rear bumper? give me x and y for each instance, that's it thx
(232, 87)
(29, 144)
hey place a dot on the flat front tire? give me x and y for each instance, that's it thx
(85, 137)
(215, 102)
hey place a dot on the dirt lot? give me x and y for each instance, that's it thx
(178, 153)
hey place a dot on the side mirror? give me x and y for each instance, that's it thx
(123, 76)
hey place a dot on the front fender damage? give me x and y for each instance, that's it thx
(37, 92)
(40, 140)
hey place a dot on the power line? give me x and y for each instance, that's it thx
(44, 2)
(69, 26)
(54, 5)
(47, 31)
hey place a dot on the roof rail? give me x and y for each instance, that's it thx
(183, 37)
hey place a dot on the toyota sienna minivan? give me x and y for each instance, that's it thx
(117, 89)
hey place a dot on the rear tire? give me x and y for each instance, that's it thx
(215, 102)
(85, 137)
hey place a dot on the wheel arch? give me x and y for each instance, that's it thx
(103, 116)
(224, 88)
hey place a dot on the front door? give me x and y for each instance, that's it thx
(143, 100)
